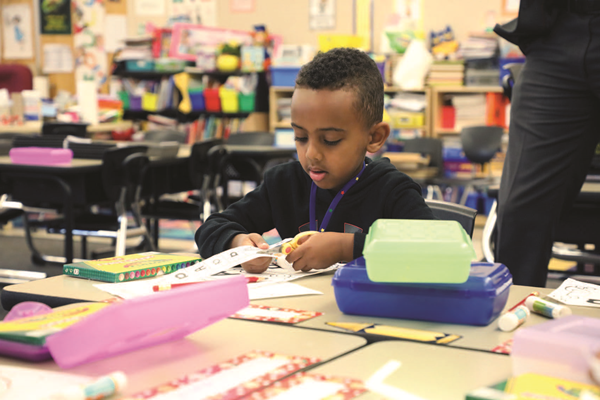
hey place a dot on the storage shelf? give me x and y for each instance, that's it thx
(468, 89)
(181, 117)
(144, 75)
(281, 124)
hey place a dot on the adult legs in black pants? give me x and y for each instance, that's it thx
(554, 129)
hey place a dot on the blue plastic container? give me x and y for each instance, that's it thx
(478, 301)
(284, 76)
(197, 100)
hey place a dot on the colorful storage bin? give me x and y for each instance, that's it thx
(197, 100)
(284, 76)
(139, 65)
(230, 102)
(135, 103)
(246, 102)
(418, 251)
(478, 301)
(149, 101)
(212, 101)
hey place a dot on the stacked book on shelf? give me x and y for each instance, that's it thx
(136, 49)
(212, 127)
(470, 109)
(446, 73)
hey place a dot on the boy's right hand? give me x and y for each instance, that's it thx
(258, 265)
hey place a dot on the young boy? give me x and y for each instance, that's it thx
(337, 111)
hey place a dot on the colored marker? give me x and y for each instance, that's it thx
(546, 308)
(522, 302)
(168, 286)
(100, 388)
(513, 319)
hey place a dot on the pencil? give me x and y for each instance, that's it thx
(168, 286)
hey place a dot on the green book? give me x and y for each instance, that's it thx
(130, 267)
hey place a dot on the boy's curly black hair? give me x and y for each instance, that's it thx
(347, 69)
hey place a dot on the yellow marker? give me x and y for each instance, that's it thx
(350, 326)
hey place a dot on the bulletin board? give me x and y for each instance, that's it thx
(57, 81)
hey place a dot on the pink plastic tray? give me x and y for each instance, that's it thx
(147, 321)
(40, 155)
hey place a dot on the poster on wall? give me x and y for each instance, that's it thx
(17, 32)
(322, 15)
(202, 12)
(55, 17)
(88, 41)
(189, 40)
(150, 7)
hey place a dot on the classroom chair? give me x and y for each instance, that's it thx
(64, 129)
(204, 168)
(480, 144)
(15, 77)
(122, 175)
(447, 211)
(247, 168)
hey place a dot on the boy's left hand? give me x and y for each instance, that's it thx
(321, 250)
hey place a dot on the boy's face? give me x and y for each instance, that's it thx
(331, 137)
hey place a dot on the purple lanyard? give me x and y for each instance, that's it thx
(332, 206)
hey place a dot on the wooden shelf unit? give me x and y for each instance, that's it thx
(436, 102)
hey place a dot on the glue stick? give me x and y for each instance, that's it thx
(546, 308)
(102, 387)
(513, 319)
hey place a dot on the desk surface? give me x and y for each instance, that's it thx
(60, 290)
(37, 127)
(217, 343)
(426, 371)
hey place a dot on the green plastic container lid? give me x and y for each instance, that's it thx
(418, 251)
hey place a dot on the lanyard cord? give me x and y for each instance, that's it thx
(332, 206)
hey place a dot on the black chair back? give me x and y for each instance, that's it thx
(113, 169)
(134, 169)
(252, 138)
(64, 129)
(165, 135)
(199, 161)
(454, 212)
(481, 143)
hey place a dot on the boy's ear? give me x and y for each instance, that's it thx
(378, 136)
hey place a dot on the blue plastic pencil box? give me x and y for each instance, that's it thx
(478, 301)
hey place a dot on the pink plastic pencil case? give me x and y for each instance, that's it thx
(147, 321)
(40, 155)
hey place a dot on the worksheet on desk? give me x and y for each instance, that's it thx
(221, 266)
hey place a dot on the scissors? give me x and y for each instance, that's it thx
(287, 246)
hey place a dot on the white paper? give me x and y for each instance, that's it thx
(283, 289)
(87, 100)
(150, 7)
(32, 383)
(241, 6)
(322, 14)
(218, 266)
(115, 32)
(58, 58)
(576, 293)
(17, 33)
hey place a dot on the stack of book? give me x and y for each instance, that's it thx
(136, 49)
(446, 73)
(470, 109)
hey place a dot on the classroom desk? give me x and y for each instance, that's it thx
(214, 344)
(37, 127)
(61, 290)
(430, 372)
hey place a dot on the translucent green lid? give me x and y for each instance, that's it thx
(418, 251)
